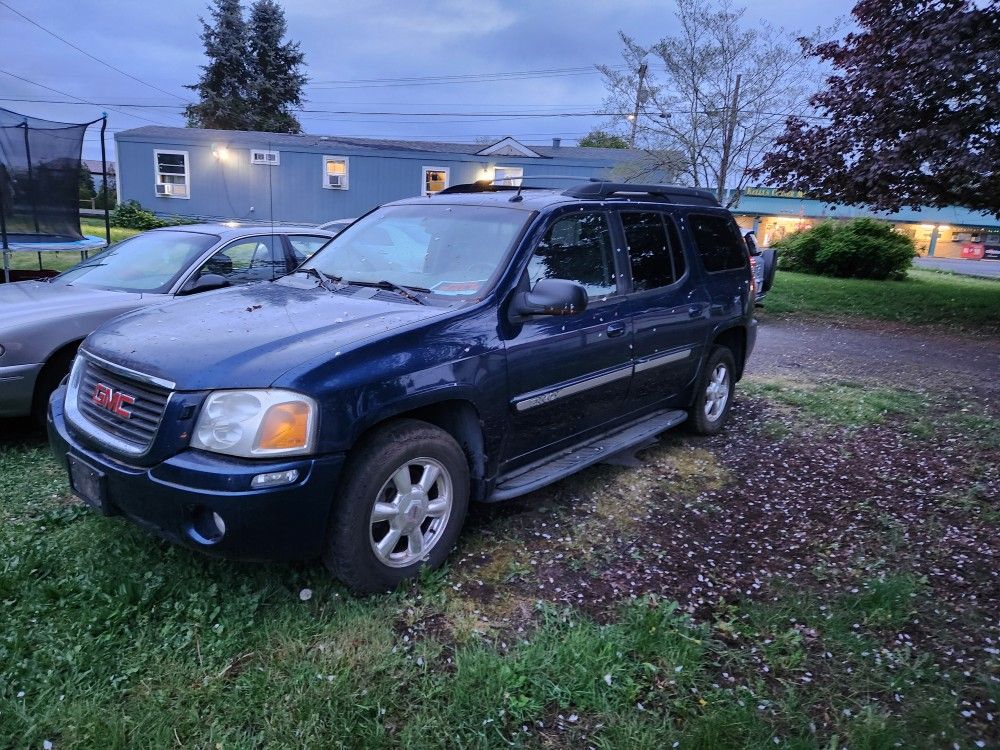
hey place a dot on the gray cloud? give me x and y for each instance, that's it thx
(158, 42)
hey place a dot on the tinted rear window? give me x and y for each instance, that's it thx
(656, 256)
(718, 242)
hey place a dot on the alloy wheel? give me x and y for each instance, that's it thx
(411, 512)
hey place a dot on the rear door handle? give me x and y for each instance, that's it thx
(616, 329)
(694, 311)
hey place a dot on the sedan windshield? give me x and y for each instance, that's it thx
(150, 262)
(448, 250)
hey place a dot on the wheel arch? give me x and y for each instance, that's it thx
(734, 339)
(459, 418)
(58, 359)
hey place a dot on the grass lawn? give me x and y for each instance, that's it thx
(923, 298)
(60, 261)
(748, 590)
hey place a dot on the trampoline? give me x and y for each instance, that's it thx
(40, 171)
(38, 244)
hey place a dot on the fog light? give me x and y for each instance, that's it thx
(275, 478)
(207, 527)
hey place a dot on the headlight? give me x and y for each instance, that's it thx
(248, 423)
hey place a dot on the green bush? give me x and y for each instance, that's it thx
(131, 215)
(859, 249)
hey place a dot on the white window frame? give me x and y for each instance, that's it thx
(347, 172)
(157, 173)
(423, 178)
(265, 151)
(519, 177)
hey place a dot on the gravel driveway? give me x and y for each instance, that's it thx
(903, 355)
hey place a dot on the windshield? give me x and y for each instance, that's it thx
(150, 262)
(448, 250)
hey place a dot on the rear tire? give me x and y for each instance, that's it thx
(710, 410)
(400, 508)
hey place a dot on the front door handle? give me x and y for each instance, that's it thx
(616, 329)
(694, 311)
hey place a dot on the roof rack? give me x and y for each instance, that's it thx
(671, 193)
(594, 189)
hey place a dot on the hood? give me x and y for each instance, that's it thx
(28, 302)
(247, 336)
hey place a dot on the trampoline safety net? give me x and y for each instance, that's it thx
(39, 178)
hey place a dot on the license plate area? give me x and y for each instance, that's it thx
(89, 485)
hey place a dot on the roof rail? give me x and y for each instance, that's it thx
(671, 193)
(507, 183)
(482, 186)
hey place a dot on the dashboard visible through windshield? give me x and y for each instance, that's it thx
(150, 262)
(447, 250)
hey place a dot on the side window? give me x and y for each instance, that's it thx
(577, 248)
(718, 241)
(654, 249)
(303, 246)
(247, 259)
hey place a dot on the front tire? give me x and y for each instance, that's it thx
(401, 506)
(710, 411)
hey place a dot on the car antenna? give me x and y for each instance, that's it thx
(517, 197)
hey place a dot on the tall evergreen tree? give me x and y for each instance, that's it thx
(277, 80)
(253, 79)
(222, 87)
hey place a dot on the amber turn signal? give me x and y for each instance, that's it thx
(285, 426)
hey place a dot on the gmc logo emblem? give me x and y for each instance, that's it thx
(114, 401)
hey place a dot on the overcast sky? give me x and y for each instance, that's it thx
(356, 54)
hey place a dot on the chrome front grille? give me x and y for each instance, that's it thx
(145, 409)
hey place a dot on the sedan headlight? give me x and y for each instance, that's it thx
(249, 423)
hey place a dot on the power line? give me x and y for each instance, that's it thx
(92, 57)
(461, 77)
(74, 96)
(474, 115)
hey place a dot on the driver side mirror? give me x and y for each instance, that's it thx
(552, 297)
(205, 283)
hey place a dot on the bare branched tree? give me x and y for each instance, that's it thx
(713, 95)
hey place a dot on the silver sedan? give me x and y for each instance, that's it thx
(43, 322)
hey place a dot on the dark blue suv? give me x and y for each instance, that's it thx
(475, 345)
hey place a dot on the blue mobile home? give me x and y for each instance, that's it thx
(263, 177)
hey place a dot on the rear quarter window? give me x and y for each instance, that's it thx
(718, 242)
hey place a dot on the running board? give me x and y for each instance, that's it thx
(545, 472)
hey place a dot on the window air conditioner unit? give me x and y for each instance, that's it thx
(165, 188)
(264, 157)
(335, 180)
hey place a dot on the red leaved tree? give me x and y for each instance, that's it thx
(911, 114)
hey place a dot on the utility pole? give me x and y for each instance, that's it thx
(638, 103)
(727, 143)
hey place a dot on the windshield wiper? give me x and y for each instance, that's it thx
(402, 291)
(327, 282)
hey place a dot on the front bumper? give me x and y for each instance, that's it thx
(288, 522)
(17, 388)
